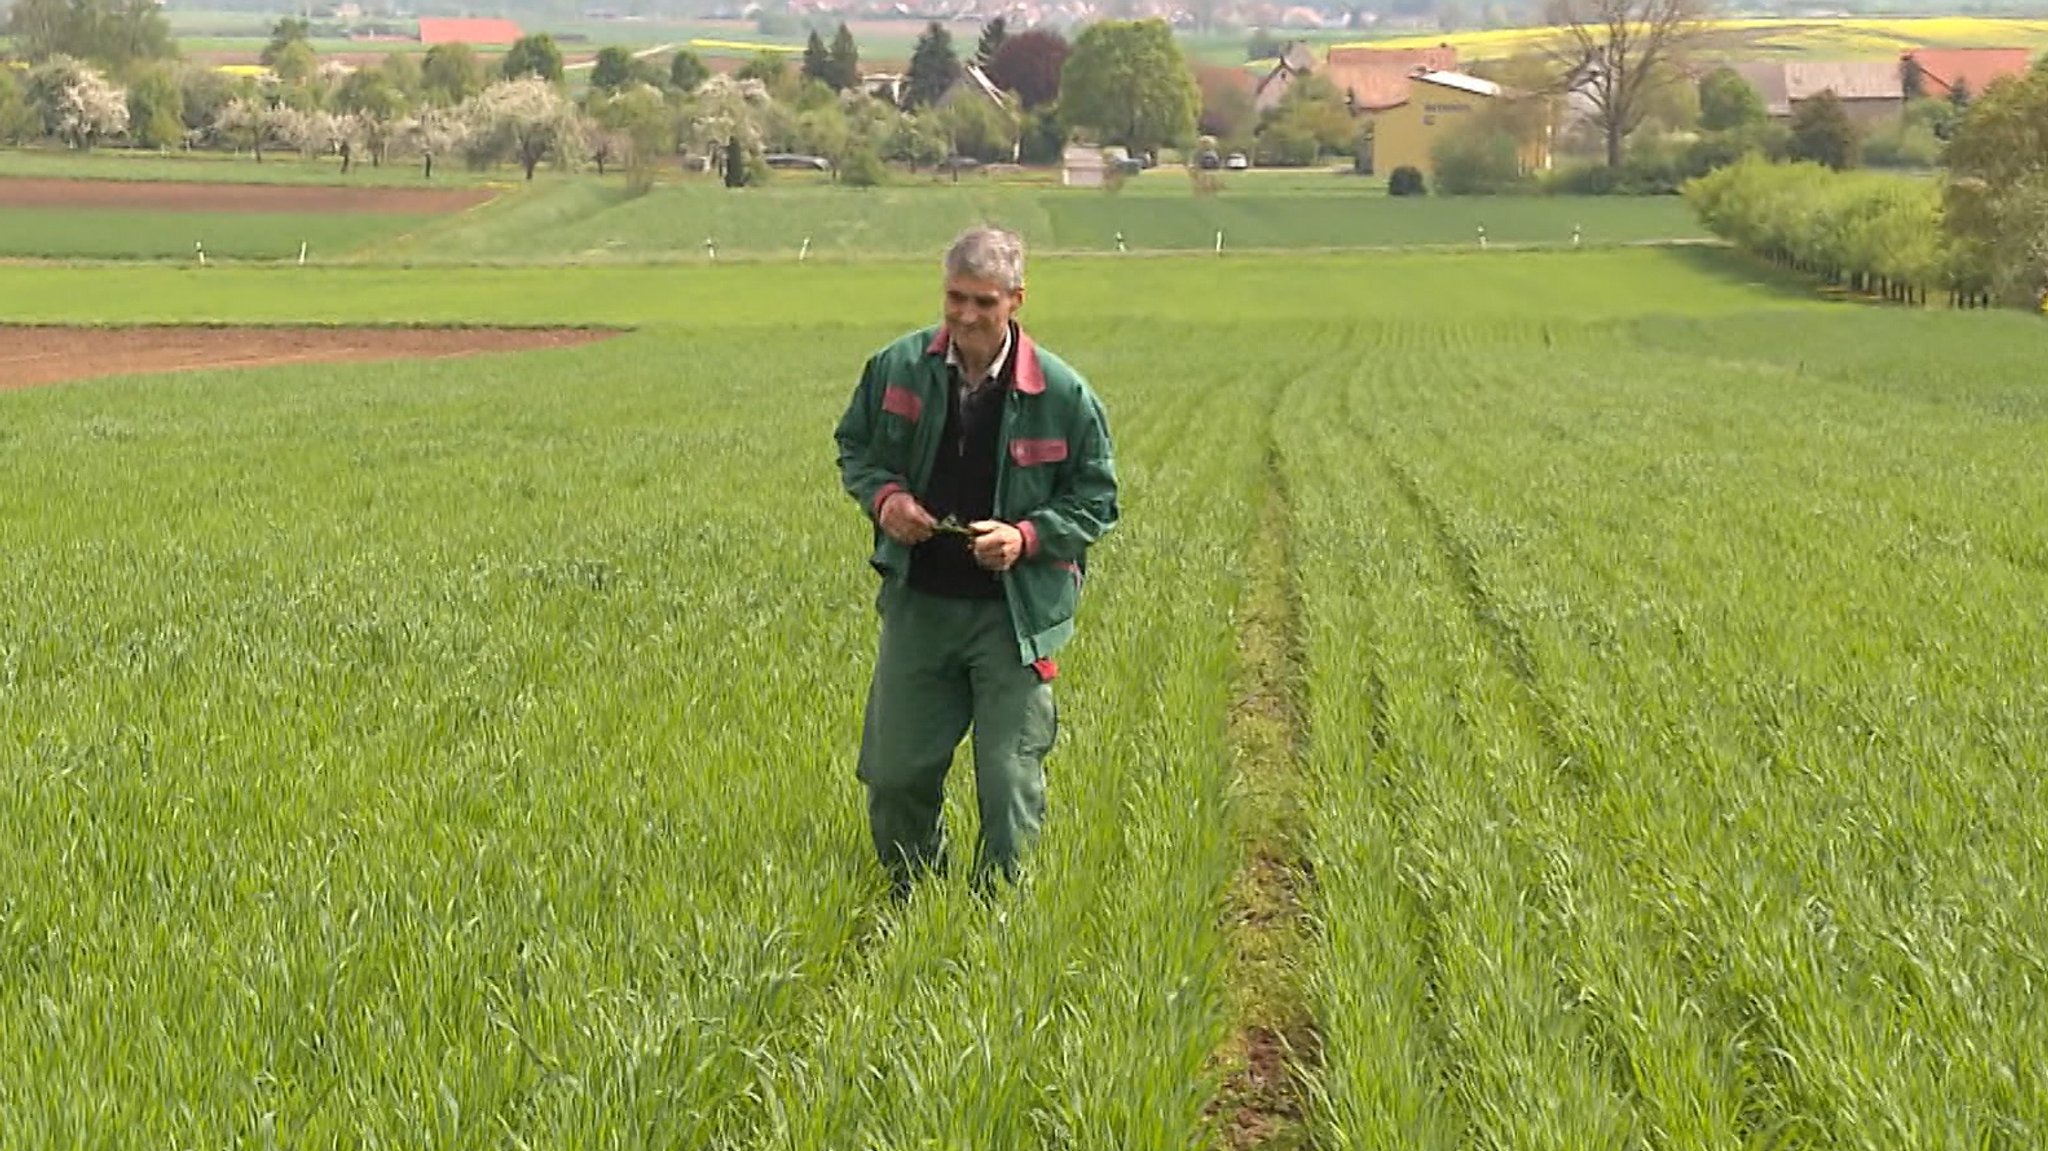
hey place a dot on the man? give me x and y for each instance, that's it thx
(985, 463)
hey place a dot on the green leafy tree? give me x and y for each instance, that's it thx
(401, 70)
(1127, 82)
(286, 32)
(18, 121)
(1995, 207)
(817, 64)
(614, 68)
(295, 64)
(1728, 102)
(1043, 138)
(450, 75)
(993, 34)
(686, 72)
(919, 140)
(111, 33)
(980, 129)
(535, 55)
(156, 108)
(773, 73)
(933, 67)
(639, 117)
(845, 59)
(1476, 158)
(203, 93)
(1912, 79)
(1313, 110)
(1823, 133)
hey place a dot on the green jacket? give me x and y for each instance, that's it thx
(1056, 478)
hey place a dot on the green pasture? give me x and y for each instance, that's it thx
(1281, 290)
(98, 234)
(284, 167)
(594, 221)
(458, 754)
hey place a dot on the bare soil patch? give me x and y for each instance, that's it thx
(48, 355)
(165, 196)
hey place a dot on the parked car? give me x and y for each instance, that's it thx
(1237, 161)
(1209, 161)
(793, 160)
(1127, 166)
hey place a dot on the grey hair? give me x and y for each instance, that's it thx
(987, 253)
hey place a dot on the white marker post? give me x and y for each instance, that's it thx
(711, 249)
(1120, 243)
(1575, 235)
(1219, 242)
(1482, 237)
(199, 249)
(804, 251)
(302, 253)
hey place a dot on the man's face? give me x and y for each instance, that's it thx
(978, 312)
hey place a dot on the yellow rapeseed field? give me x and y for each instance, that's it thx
(1849, 37)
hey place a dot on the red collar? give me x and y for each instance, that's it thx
(1030, 376)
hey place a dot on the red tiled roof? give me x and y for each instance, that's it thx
(1376, 79)
(1941, 68)
(1442, 58)
(1372, 87)
(443, 30)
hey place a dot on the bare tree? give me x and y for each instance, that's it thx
(1612, 52)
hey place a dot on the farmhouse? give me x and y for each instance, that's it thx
(1871, 91)
(972, 84)
(1294, 61)
(1370, 79)
(446, 30)
(1435, 104)
(1943, 70)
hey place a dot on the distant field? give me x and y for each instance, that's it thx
(588, 220)
(98, 234)
(1847, 37)
(218, 167)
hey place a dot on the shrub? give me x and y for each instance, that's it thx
(1406, 181)
(863, 168)
(1476, 162)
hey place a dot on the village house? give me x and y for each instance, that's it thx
(477, 33)
(1943, 70)
(1871, 92)
(1435, 104)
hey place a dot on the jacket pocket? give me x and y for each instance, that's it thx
(1032, 453)
(898, 400)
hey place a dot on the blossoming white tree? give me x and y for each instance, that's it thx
(722, 110)
(77, 104)
(254, 123)
(433, 132)
(527, 120)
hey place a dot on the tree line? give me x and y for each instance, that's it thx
(106, 71)
(1978, 237)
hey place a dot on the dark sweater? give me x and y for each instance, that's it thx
(963, 485)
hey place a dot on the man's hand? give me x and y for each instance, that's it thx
(997, 545)
(904, 520)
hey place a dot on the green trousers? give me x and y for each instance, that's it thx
(945, 665)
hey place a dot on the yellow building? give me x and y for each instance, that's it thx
(1437, 104)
